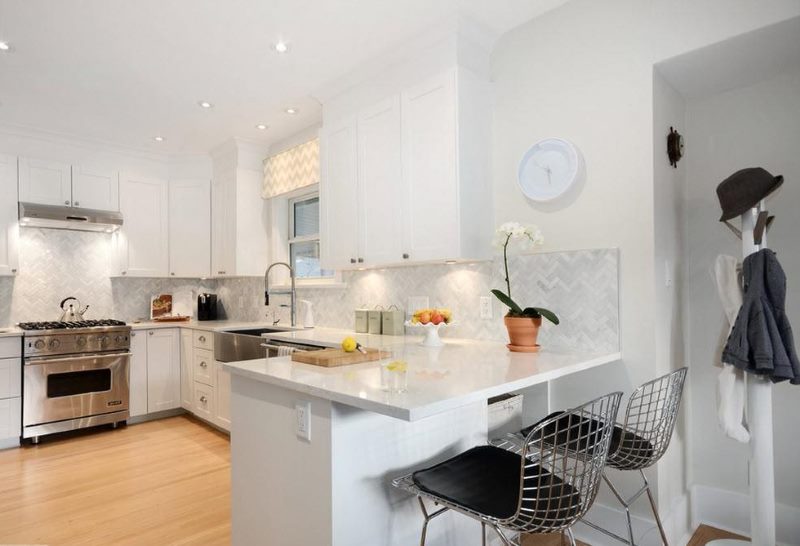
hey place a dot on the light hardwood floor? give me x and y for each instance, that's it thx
(160, 483)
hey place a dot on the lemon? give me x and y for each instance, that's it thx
(349, 344)
(397, 366)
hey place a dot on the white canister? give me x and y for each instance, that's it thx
(374, 317)
(392, 321)
(362, 321)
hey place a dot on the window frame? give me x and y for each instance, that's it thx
(291, 238)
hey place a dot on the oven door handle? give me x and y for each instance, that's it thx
(47, 360)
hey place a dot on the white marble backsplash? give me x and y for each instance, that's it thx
(581, 287)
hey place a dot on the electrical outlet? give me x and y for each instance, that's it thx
(303, 417)
(486, 307)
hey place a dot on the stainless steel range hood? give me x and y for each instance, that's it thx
(73, 218)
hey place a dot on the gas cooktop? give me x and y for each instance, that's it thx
(56, 325)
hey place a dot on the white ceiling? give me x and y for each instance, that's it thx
(740, 61)
(123, 71)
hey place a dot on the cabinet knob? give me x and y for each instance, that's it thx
(361, 260)
(203, 364)
(352, 260)
(405, 255)
(77, 204)
(220, 272)
(66, 202)
(13, 270)
(173, 273)
(124, 272)
(150, 333)
(202, 339)
(203, 399)
(133, 334)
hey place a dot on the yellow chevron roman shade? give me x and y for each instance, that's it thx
(292, 169)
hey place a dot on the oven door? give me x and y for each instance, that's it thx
(61, 388)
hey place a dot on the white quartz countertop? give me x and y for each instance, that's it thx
(10, 331)
(207, 325)
(439, 380)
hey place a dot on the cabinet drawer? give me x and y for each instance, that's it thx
(10, 347)
(10, 377)
(203, 368)
(204, 401)
(204, 340)
(10, 418)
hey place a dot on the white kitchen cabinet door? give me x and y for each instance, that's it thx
(142, 243)
(187, 362)
(380, 183)
(189, 228)
(10, 421)
(339, 197)
(223, 231)
(222, 409)
(9, 224)
(138, 373)
(94, 188)
(163, 370)
(429, 169)
(10, 377)
(45, 182)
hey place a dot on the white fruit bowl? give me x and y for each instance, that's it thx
(431, 330)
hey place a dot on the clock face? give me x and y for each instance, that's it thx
(549, 168)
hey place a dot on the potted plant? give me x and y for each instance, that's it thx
(522, 323)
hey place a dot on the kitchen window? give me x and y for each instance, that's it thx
(304, 249)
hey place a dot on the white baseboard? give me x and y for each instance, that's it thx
(731, 511)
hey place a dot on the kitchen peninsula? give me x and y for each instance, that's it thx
(335, 488)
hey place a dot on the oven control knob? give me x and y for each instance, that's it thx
(119, 339)
(39, 344)
(81, 342)
(54, 343)
(104, 341)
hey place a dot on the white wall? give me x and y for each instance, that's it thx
(752, 126)
(585, 72)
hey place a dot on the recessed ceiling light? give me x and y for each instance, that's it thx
(262, 127)
(281, 47)
(158, 138)
(4, 46)
(205, 104)
(291, 111)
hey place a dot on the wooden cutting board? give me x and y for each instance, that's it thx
(331, 358)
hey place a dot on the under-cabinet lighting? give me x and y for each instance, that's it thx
(5, 46)
(450, 262)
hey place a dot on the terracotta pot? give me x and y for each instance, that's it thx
(522, 333)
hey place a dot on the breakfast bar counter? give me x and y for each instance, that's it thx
(334, 487)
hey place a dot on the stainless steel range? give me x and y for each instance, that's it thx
(75, 375)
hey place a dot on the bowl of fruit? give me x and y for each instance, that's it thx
(431, 320)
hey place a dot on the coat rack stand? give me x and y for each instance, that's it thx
(759, 418)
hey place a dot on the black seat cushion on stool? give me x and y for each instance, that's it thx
(624, 441)
(486, 479)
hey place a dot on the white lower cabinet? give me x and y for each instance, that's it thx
(155, 374)
(204, 401)
(187, 377)
(222, 411)
(10, 391)
(208, 384)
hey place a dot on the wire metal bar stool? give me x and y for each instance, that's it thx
(638, 443)
(545, 488)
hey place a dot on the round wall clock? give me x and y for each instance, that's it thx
(549, 168)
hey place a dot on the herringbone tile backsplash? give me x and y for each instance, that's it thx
(581, 287)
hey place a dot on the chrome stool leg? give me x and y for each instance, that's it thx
(483, 533)
(428, 517)
(570, 536)
(655, 511)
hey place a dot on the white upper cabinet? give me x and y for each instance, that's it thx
(339, 196)
(189, 228)
(408, 182)
(429, 170)
(223, 234)
(54, 183)
(9, 226)
(94, 188)
(45, 182)
(142, 242)
(380, 183)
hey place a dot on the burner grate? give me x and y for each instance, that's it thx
(56, 325)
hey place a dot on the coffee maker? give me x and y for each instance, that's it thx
(206, 307)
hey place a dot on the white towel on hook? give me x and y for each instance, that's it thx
(283, 350)
(730, 383)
